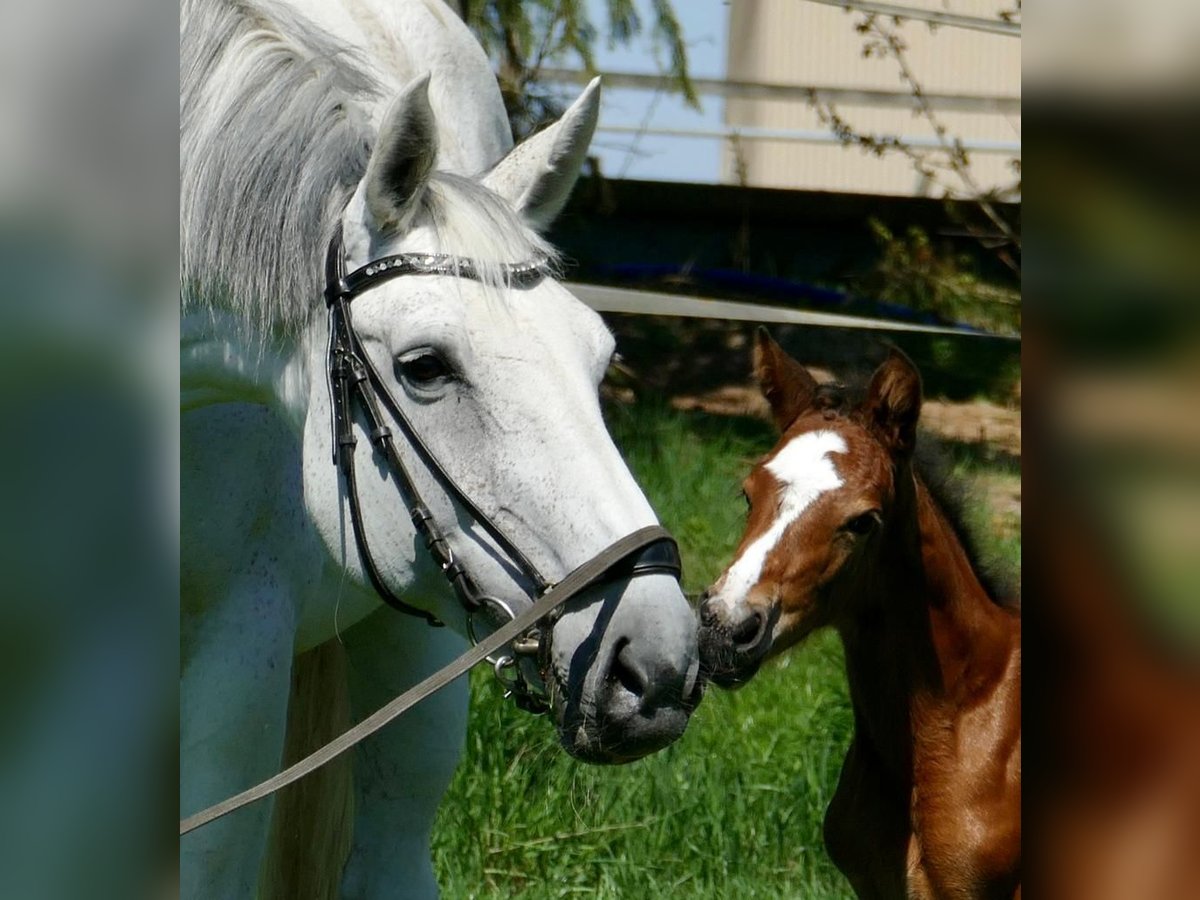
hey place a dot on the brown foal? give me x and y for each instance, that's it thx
(842, 531)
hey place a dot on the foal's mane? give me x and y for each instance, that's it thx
(274, 138)
(933, 466)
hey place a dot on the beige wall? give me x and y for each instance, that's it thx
(796, 42)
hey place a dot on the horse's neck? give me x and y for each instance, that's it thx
(923, 633)
(220, 363)
(972, 635)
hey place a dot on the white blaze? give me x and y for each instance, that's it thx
(805, 472)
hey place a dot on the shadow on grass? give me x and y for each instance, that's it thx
(643, 418)
(652, 411)
(690, 356)
(980, 456)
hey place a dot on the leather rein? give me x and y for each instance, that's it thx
(352, 376)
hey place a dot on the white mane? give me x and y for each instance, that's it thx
(274, 138)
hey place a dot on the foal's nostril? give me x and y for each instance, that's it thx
(708, 615)
(745, 634)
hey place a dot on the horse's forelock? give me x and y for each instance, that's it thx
(473, 222)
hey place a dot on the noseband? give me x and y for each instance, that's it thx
(352, 377)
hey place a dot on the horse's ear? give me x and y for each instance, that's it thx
(537, 176)
(786, 384)
(893, 403)
(402, 158)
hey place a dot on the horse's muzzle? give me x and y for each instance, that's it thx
(631, 691)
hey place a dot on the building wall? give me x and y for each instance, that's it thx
(796, 42)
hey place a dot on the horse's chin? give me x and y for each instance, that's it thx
(610, 747)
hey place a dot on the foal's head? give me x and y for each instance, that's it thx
(820, 506)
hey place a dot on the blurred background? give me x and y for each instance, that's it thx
(88, 453)
(822, 158)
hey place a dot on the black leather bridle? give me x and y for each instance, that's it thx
(646, 550)
(353, 377)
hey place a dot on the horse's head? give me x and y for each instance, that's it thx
(819, 505)
(500, 380)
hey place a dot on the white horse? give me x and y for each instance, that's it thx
(287, 132)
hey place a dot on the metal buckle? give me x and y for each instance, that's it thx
(517, 688)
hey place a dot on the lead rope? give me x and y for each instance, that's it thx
(579, 580)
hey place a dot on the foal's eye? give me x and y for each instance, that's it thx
(423, 368)
(863, 524)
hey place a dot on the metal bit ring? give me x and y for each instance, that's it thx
(492, 605)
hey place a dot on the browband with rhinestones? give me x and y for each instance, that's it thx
(523, 274)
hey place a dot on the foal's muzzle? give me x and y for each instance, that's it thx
(733, 649)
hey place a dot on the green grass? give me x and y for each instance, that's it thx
(733, 809)
(995, 527)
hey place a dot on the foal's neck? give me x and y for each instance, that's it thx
(923, 634)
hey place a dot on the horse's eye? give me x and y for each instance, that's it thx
(746, 500)
(864, 524)
(423, 368)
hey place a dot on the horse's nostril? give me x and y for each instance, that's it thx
(624, 674)
(708, 615)
(747, 631)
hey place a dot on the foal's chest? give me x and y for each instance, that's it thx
(877, 835)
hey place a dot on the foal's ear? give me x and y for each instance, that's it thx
(537, 176)
(402, 158)
(893, 403)
(784, 382)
